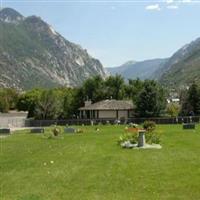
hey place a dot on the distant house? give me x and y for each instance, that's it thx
(107, 109)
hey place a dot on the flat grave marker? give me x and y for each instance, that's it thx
(37, 130)
(189, 126)
(5, 131)
(70, 130)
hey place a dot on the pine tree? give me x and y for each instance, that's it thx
(150, 101)
(194, 99)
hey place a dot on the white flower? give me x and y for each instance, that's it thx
(45, 163)
(51, 161)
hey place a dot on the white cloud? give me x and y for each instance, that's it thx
(169, 4)
(172, 7)
(169, 1)
(186, 1)
(153, 7)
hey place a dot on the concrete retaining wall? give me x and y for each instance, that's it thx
(13, 119)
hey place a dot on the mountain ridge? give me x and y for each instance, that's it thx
(33, 54)
(179, 70)
(138, 69)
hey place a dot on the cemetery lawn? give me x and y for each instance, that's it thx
(92, 166)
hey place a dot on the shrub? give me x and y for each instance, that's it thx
(149, 125)
(131, 137)
(53, 133)
(4, 106)
(56, 131)
(49, 135)
(152, 137)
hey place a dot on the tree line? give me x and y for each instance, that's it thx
(148, 96)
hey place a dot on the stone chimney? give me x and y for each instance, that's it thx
(88, 102)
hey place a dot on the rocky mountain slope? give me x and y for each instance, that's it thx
(183, 67)
(143, 70)
(33, 54)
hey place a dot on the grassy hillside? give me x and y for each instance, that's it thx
(92, 166)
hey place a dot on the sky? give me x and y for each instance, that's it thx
(118, 31)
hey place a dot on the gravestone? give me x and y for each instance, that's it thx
(141, 138)
(70, 130)
(37, 130)
(92, 123)
(4, 131)
(189, 126)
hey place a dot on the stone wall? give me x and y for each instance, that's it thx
(13, 119)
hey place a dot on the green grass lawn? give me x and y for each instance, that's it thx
(92, 166)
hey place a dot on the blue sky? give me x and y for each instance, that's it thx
(119, 31)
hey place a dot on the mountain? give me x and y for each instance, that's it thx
(180, 70)
(143, 70)
(183, 67)
(10, 16)
(33, 54)
(120, 69)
